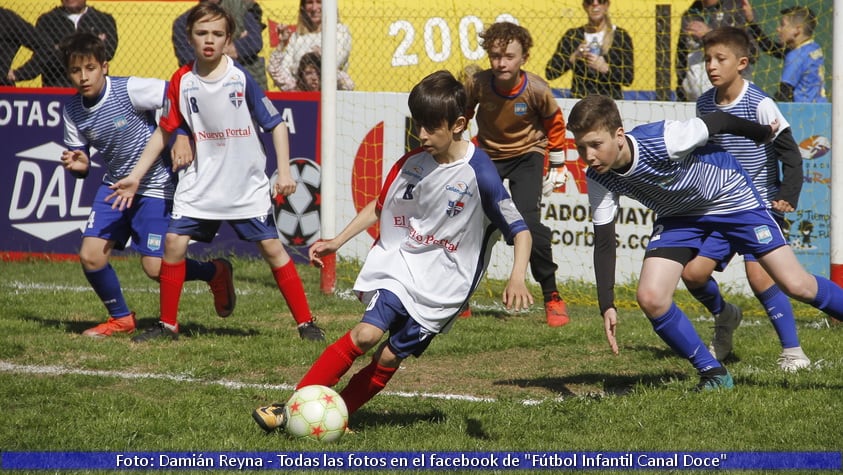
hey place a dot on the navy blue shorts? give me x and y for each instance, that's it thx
(406, 336)
(751, 233)
(717, 248)
(204, 230)
(145, 222)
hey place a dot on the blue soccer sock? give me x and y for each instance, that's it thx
(677, 331)
(780, 311)
(709, 296)
(107, 286)
(195, 270)
(829, 298)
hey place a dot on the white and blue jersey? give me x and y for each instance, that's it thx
(674, 173)
(119, 126)
(437, 224)
(759, 161)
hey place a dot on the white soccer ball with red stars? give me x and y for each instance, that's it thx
(316, 412)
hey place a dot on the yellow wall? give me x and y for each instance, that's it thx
(145, 48)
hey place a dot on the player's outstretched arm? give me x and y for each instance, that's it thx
(610, 325)
(125, 188)
(284, 185)
(365, 219)
(605, 259)
(516, 295)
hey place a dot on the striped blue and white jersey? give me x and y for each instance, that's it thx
(674, 173)
(118, 126)
(760, 162)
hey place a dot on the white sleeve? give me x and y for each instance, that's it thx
(72, 138)
(604, 203)
(768, 111)
(146, 94)
(682, 137)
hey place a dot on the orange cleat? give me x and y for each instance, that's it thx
(113, 325)
(556, 311)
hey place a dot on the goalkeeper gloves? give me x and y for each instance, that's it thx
(557, 174)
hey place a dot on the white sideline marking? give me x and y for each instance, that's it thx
(7, 367)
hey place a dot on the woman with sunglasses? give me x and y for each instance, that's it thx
(599, 53)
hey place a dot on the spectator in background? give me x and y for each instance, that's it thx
(14, 33)
(55, 25)
(309, 74)
(599, 53)
(803, 73)
(307, 39)
(246, 44)
(702, 17)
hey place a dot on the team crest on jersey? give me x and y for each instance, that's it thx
(456, 198)
(454, 208)
(763, 234)
(120, 122)
(236, 98)
(153, 242)
(519, 108)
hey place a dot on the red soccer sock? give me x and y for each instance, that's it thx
(332, 364)
(292, 289)
(365, 385)
(171, 283)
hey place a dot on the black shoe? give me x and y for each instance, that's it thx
(155, 332)
(270, 417)
(309, 331)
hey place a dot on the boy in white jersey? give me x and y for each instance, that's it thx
(727, 51)
(225, 180)
(115, 116)
(695, 190)
(437, 210)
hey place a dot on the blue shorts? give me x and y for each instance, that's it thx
(753, 232)
(145, 222)
(204, 230)
(406, 336)
(717, 248)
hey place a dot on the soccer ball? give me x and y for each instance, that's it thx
(297, 216)
(316, 412)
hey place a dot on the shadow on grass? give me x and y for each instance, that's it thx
(142, 323)
(613, 384)
(365, 419)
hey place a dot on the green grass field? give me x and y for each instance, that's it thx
(496, 382)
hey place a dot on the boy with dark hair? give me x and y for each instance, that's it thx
(803, 73)
(115, 115)
(519, 122)
(695, 189)
(225, 180)
(727, 52)
(437, 212)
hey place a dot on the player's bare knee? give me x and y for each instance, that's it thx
(653, 302)
(366, 336)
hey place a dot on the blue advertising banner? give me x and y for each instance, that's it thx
(46, 208)
(448, 461)
(808, 228)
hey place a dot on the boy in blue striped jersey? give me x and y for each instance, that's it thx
(727, 52)
(115, 115)
(695, 189)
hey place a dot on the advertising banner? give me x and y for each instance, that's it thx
(45, 208)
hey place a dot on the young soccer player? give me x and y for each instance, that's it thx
(221, 104)
(437, 210)
(727, 51)
(115, 115)
(518, 122)
(803, 72)
(695, 190)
